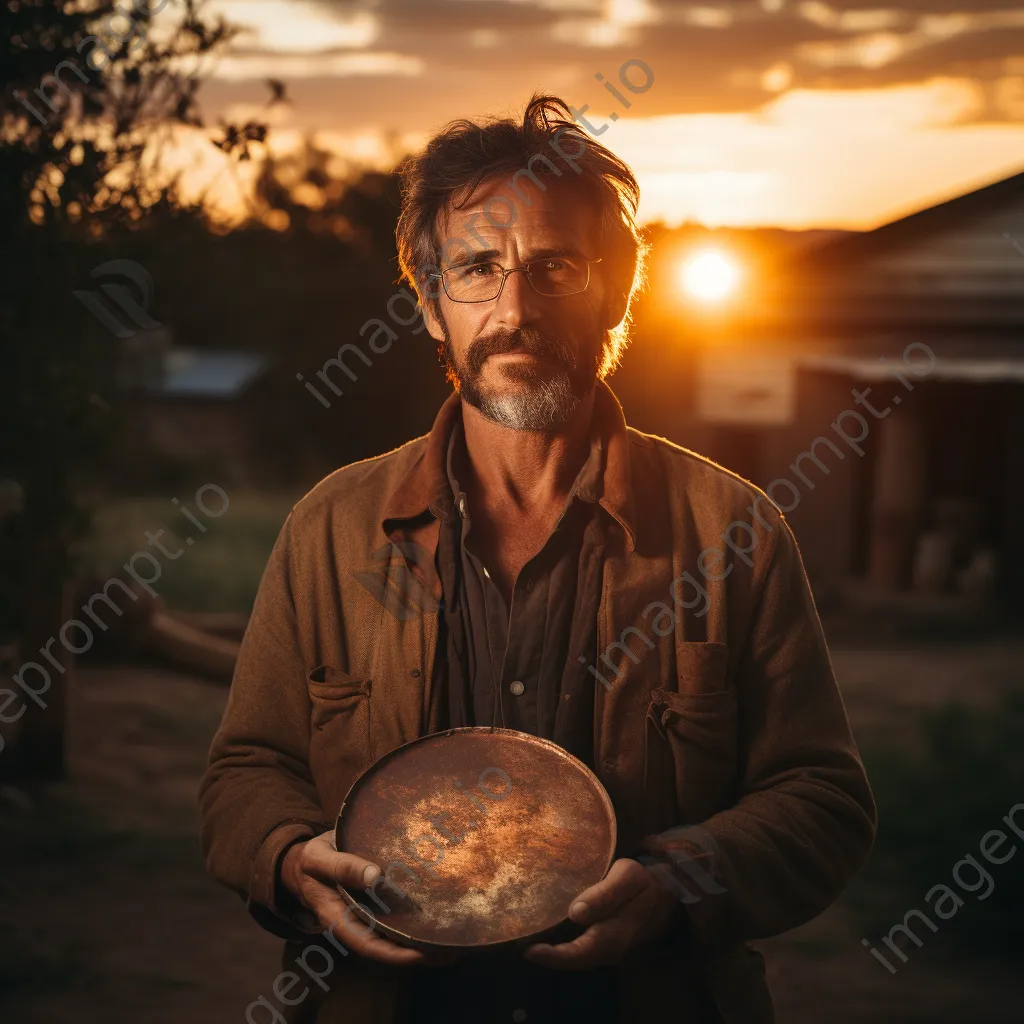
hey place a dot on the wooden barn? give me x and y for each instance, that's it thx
(876, 387)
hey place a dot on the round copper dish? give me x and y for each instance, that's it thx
(484, 836)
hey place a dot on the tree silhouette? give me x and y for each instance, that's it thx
(93, 96)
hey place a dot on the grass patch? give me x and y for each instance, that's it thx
(933, 811)
(219, 572)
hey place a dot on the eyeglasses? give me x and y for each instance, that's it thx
(552, 276)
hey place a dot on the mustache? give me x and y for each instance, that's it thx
(531, 340)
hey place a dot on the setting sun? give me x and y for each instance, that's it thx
(709, 276)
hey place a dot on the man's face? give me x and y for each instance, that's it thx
(525, 360)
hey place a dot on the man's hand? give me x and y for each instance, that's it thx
(627, 908)
(312, 871)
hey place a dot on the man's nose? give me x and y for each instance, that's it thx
(518, 304)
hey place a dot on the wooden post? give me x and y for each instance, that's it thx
(899, 500)
(36, 747)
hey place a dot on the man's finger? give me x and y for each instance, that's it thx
(624, 882)
(351, 932)
(347, 925)
(335, 868)
(596, 946)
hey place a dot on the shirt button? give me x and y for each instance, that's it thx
(517, 688)
(462, 505)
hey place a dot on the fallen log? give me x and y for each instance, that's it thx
(186, 647)
(228, 625)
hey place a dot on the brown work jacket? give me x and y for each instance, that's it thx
(721, 710)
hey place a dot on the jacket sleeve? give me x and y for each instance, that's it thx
(257, 796)
(805, 817)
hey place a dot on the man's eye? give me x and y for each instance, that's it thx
(556, 265)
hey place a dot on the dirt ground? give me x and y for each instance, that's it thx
(109, 917)
(821, 972)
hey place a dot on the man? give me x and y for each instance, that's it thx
(534, 563)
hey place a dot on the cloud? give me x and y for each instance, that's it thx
(260, 66)
(733, 56)
(784, 111)
(615, 24)
(850, 21)
(800, 162)
(878, 49)
(296, 26)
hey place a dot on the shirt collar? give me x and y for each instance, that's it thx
(605, 477)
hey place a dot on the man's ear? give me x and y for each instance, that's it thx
(615, 306)
(433, 321)
(428, 290)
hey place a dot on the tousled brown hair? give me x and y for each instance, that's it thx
(547, 144)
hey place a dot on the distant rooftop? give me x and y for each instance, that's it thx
(152, 364)
(208, 373)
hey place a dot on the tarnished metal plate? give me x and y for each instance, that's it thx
(484, 837)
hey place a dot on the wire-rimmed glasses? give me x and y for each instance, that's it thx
(552, 276)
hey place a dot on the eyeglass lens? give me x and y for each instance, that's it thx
(479, 282)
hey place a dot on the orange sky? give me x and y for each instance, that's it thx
(799, 114)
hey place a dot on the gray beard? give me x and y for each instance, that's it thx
(547, 405)
(539, 404)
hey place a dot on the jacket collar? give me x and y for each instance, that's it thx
(425, 488)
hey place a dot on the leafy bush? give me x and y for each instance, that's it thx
(219, 573)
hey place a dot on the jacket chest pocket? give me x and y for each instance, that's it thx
(696, 727)
(339, 745)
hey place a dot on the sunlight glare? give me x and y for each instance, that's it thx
(710, 276)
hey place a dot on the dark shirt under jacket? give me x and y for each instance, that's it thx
(529, 653)
(519, 663)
